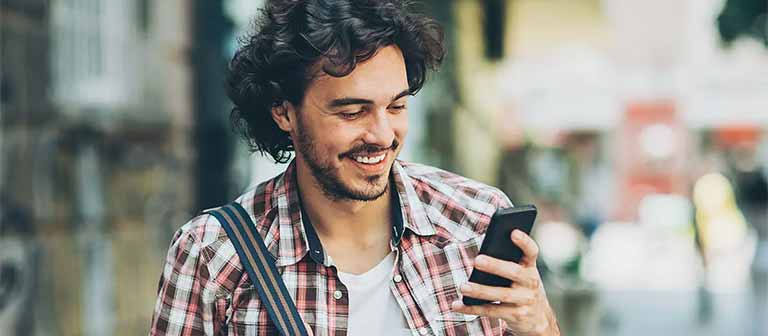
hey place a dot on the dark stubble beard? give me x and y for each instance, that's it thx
(328, 177)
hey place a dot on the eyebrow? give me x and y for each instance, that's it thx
(360, 101)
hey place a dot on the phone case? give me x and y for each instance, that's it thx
(498, 244)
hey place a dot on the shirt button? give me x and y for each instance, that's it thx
(423, 331)
(398, 278)
(337, 294)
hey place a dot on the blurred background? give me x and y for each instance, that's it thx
(636, 126)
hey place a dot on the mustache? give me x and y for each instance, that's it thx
(370, 148)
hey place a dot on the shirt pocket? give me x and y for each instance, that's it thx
(249, 318)
(451, 271)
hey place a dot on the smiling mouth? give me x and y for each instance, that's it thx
(369, 159)
(370, 163)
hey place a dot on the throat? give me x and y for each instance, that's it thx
(357, 246)
(356, 259)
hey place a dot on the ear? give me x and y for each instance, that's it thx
(284, 115)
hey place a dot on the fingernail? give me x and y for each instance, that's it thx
(480, 261)
(466, 287)
(517, 234)
(455, 305)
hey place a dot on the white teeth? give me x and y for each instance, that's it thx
(370, 160)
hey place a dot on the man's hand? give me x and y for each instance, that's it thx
(524, 304)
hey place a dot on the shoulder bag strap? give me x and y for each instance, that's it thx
(261, 268)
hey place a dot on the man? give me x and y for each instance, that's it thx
(366, 244)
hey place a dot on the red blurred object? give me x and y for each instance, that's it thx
(737, 135)
(650, 153)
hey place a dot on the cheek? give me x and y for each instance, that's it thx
(341, 138)
(400, 125)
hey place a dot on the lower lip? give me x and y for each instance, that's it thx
(372, 168)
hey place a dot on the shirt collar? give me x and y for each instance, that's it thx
(413, 213)
(296, 236)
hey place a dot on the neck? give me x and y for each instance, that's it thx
(361, 223)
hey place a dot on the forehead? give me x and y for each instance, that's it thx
(379, 78)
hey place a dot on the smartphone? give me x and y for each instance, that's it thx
(498, 244)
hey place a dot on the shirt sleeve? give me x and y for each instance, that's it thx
(186, 298)
(500, 199)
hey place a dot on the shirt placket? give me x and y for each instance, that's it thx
(402, 291)
(338, 303)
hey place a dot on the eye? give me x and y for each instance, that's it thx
(352, 115)
(397, 107)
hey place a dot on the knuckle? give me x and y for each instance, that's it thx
(530, 299)
(535, 283)
(509, 297)
(523, 298)
(513, 270)
(496, 311)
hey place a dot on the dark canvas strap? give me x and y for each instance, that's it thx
(260, 265)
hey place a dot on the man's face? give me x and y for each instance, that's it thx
(349, 130)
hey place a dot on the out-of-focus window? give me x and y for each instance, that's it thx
(93, 55)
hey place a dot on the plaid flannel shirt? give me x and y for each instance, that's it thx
(440, 220)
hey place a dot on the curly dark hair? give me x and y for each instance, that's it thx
(274, 64)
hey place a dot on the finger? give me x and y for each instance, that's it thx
(506, 312)
(516, 296)
(489, 310)
(528, 246)
(505, 269)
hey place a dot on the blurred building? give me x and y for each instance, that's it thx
(99, 108)
(24, 109)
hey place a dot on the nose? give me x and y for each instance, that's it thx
(379, 130)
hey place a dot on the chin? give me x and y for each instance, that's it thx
(370, 188)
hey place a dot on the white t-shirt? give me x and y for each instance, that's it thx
(373, 310)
